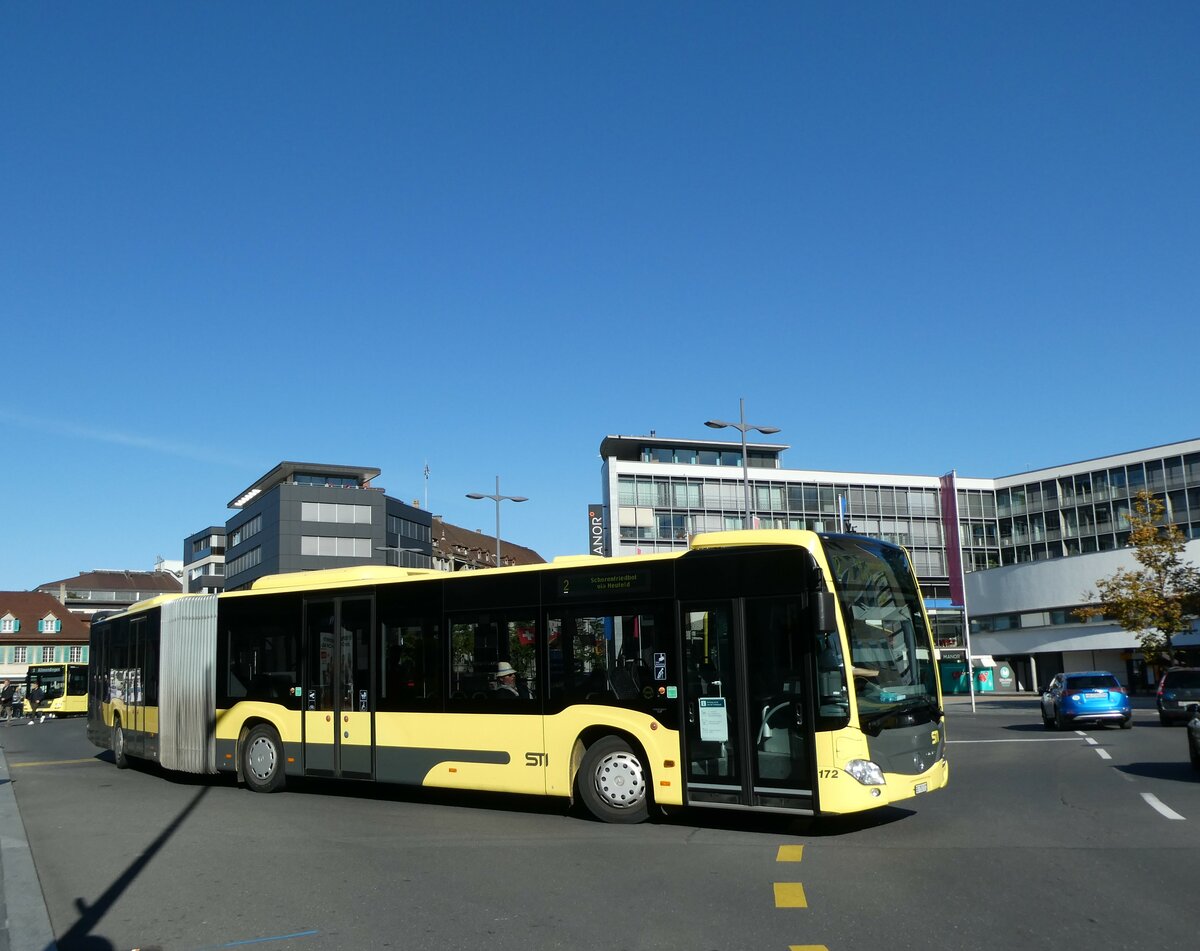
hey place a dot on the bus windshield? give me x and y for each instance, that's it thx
(50, 677)
(891, 660)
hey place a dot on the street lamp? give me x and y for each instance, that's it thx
(743, 427)
(400, 551)
(497, 498)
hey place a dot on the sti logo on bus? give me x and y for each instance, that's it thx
(596, 530)
(537, 759)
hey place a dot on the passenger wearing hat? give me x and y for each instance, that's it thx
(506, 681)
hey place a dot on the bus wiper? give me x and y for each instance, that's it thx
(873, 724)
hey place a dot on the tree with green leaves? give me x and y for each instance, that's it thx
(1158, 599)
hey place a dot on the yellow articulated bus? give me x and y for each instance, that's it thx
(781, 671)
(64, 689)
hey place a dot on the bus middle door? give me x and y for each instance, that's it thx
(338, 718)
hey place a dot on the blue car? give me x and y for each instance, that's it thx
(1091, 696)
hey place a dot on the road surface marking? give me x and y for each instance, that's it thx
(1092, 742)
(807, 947)
(1040, 739)
(56, 762)
(1081, 733)
(790, 853)
(790, 895)
(1153, 802)
(1103, 753)
(280, 937)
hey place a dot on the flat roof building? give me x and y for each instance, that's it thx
(1021, 551)
(302, 516)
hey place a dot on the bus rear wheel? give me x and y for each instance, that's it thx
(120, 757)
(612, 782)
(262, 759)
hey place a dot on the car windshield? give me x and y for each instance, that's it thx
(1091, 682)
(890, 657)
(1183, 679)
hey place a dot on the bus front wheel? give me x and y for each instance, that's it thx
(120, 757)
(612, 782)
(262, 759)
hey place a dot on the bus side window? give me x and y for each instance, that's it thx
(482, 646)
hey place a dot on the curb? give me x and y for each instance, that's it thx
(26, 925)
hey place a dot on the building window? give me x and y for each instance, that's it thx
(49, 625)
(47, 655)
(20, 655)
(244, 562)
(332, 546)
(337, 482)
(9, 625)
(76, 654)
(340, 512)
(406, 528)
(248, 529)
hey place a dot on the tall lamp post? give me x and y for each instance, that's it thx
(743, 427)
(497, 498)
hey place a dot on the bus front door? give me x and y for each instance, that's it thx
(748, 725)
(779, 707)
(338, 720)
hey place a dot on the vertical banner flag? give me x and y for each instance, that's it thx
(596, 529)
(954, 565)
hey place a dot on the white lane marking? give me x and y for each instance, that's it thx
(1040, 739)
(1080, 733)
(1092, 742)
(1103, 753)
(1153, 802)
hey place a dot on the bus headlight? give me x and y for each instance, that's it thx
(866, 772)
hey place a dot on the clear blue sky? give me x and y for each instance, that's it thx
(914, 236)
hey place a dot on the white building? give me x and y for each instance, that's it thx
(1031, 545)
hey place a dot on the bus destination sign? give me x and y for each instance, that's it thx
(623, 581)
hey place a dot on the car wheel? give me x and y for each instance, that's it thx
(1059, 722)
(262, 760)
(1127, 724)
(1195, 758)
(1047, 722)
(613, 782)
(1162, 720)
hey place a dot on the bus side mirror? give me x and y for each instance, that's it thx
(825, 612)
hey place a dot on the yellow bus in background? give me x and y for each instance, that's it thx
(783, 671)
(64, 689)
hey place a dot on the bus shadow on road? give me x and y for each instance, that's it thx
(1180, 772)
(771, 823)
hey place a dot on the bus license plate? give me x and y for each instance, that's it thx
(920, 788)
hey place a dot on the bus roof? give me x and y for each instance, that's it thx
(364, 575)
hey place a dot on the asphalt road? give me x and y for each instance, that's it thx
(1043, 840)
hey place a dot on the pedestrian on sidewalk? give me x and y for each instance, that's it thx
(7, 692)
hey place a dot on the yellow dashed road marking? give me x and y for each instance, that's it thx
(790, 895)
(807, 947)
(790, 853)
(55, 762)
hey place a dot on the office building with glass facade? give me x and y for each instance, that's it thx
(1030, 545)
